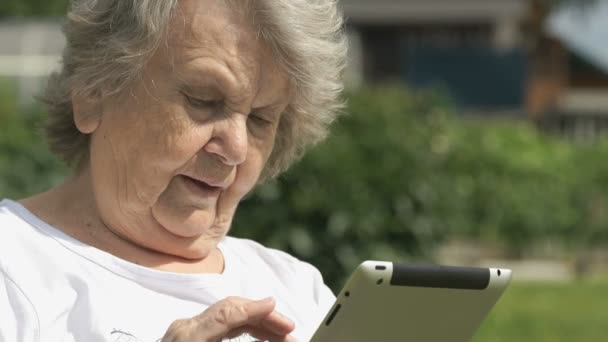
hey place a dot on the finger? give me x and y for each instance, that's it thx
(260, 334)
(277, 323)
(231, 314)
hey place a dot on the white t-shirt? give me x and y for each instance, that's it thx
(55, 288)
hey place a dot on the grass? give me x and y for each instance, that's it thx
(539, 312)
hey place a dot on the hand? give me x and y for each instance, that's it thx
(232, 317)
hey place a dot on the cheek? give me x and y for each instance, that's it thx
(249, 172)
(118, 170)
(135, 160)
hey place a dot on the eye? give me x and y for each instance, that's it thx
(260, 120)
(202, 103)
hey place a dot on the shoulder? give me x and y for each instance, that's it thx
(297, 285)
(8, 215)
(18, 231)
(21, 242)
(253, 252)
(21, 317)
(14, 230)
(297, 275)
(29, 254)
(13, 216)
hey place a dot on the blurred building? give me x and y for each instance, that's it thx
(510, 57)
(473, 49)
(570, 92)
(29, 51)
(492, 56)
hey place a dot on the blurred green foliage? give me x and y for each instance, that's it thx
(399, 175)
(32, 8)
(26, 166)
(373, 190)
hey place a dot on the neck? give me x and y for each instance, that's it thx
(71, 208)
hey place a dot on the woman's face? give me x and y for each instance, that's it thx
(172, 158)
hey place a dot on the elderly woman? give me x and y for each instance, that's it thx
(171, 111)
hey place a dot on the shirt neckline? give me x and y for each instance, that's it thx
(121, 267)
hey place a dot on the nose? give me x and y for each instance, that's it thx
(229, 141)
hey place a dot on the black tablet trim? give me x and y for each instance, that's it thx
(333, 314)
(467, 278)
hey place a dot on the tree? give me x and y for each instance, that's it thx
(32, 8)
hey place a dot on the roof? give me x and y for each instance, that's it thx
(584, 30)
(392, 11)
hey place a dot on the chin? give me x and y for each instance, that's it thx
(200, 246)
(195, 254)
(193, 251)
(189, 234)
(186, 222)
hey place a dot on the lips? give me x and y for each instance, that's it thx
(201, 187)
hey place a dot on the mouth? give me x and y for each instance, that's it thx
(201, 187)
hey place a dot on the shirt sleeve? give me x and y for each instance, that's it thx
(18, 319)
(324, 297)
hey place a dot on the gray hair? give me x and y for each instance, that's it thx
(109, 42)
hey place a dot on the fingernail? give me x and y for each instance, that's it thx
(283, 317)
(266, 300)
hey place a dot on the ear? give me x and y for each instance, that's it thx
(87, 116)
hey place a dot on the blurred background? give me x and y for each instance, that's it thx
(475, 134)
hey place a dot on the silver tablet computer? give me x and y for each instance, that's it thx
(385, 301)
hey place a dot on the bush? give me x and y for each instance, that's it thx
(26, 166)
(519, 186)
(371, 191)
(399, 175)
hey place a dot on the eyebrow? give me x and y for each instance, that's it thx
(201, 79)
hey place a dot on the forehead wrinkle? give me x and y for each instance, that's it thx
(273, 86)
(193, 28)
(213, 24)
(246, 74)
(224, 35)
(234, 84)
(241, 60)
(228, 37)
(223, 59)
(237, 77)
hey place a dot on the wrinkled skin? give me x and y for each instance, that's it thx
(230, 318)
(171, 158)
(207, 109)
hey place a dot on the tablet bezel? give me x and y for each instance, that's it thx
(449, 301)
